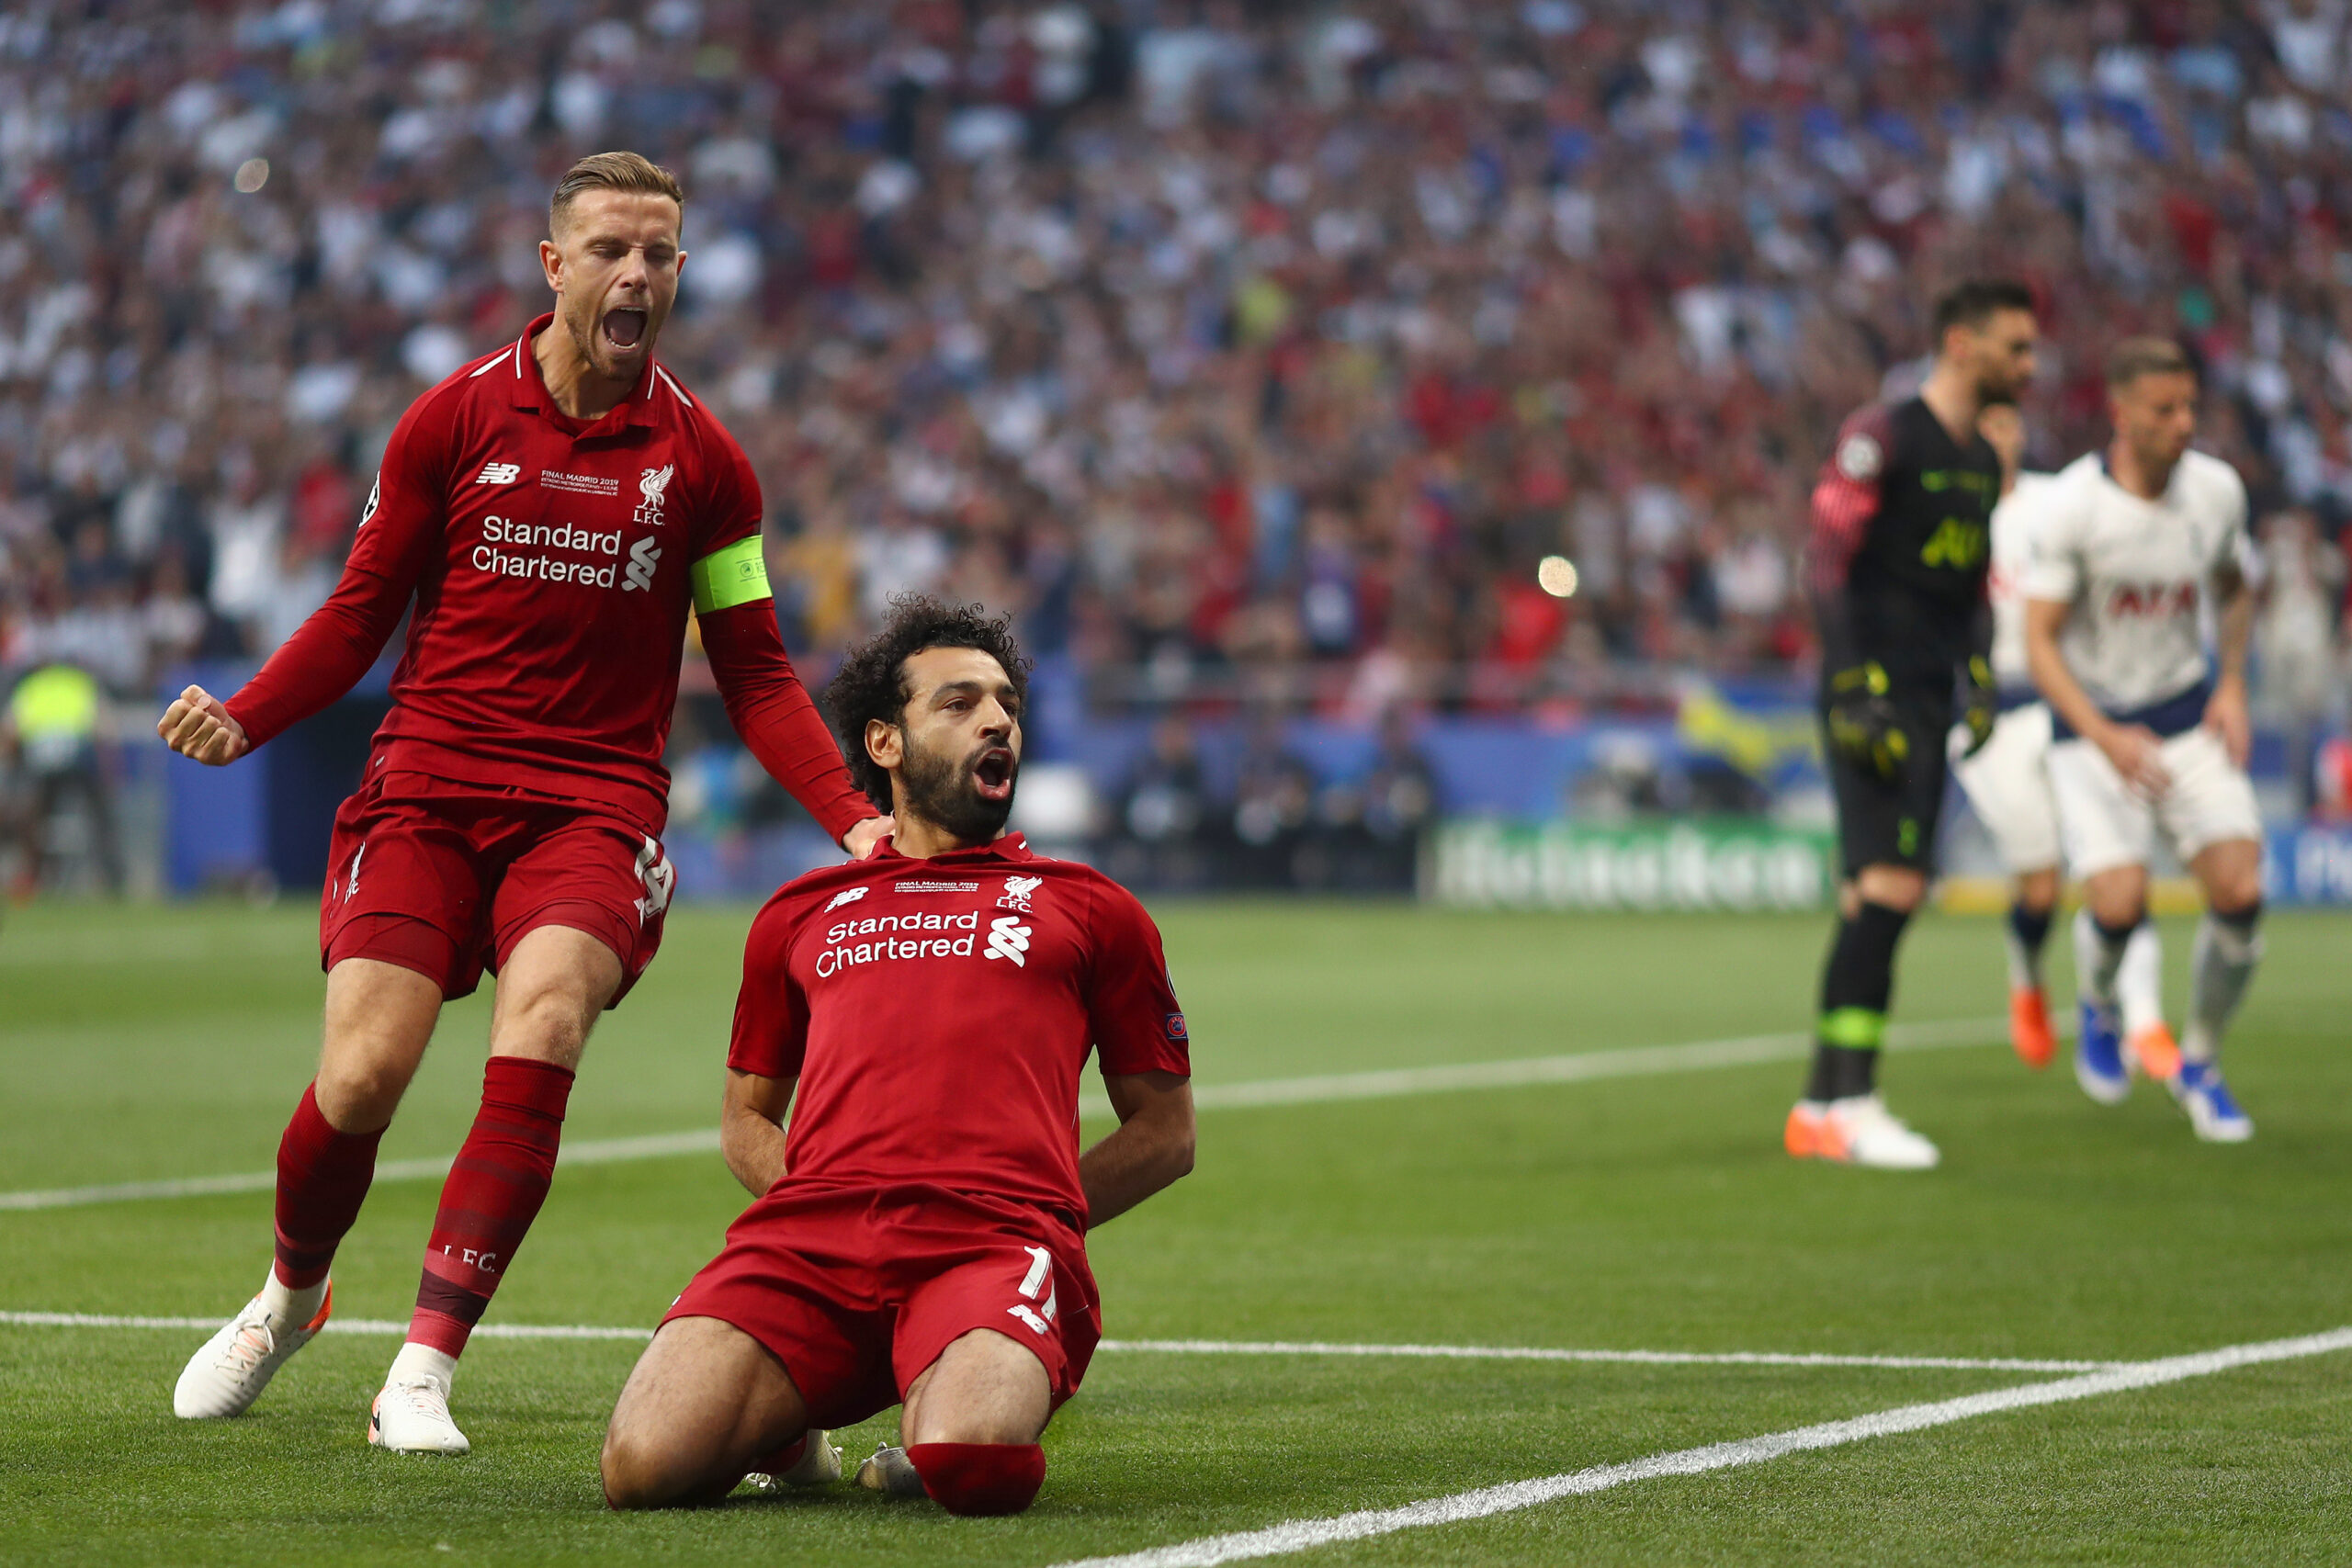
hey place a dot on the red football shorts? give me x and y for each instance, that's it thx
(857, 1290)
(444, 878)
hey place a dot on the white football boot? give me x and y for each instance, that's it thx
(819, 1464)
(1862, 1131)
(411, 1416)
(228, 1374)
(891, 1472)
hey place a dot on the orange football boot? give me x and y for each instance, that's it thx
(1810, 1134)
(2155, 1053)
(2029, 1030)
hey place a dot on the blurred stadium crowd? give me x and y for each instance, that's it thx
(1245, 350)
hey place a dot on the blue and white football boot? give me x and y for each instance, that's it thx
(2212, 1110)
(2098, 1057)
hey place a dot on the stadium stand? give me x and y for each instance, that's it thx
(1253, 353)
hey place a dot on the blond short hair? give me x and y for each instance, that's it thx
(2138, 356)
(611, 171)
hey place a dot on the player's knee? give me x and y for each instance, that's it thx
(980, 1478)
(358, 1091)
(550, 1025)
(1892, 888)
(2037, 892)
(639, 1473)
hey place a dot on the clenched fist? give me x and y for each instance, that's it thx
(197, 725)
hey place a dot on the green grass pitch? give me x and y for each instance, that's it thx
(1650, 1211)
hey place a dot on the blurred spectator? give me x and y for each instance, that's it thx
(1159, 838)
(63, 809)
(1272, 809)
(1377, 824)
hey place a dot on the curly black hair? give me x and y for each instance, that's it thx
(871, 681)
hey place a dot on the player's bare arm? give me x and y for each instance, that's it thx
(2134, 749)
(1151, 1147)
(751, 1127)
(199, 726)
(2226, 713)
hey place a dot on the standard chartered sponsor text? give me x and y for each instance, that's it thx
(497, 531)
(841, 953)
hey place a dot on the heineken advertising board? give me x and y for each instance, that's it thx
(1682, 865)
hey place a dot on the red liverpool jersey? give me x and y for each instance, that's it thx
(939, 1012)
(553, 561)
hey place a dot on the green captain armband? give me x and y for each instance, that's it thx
(731, 575)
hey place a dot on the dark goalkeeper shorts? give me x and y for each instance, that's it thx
(1891, 822)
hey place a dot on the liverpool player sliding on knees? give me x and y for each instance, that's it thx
(918, 1234)
(553, 511)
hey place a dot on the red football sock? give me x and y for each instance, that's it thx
(493, 1192)
(980, 1478)
(323, 1178)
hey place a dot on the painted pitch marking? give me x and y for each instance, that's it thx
(1191, 1346)
(1304, 1535)
(1585, 1067)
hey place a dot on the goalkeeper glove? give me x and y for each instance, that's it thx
(1981, 709)
(1863, 725)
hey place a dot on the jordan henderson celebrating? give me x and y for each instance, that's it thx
(552, 512)
(918, 1236)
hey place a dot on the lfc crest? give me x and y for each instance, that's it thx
(654, 486)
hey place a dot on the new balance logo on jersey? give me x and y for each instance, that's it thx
(642, 557)
(499, 474)
(1007, 938)
(846, 895)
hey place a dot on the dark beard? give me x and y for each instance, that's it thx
(938, 788)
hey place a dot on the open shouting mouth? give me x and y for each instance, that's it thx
(625, 329)
(992, 774)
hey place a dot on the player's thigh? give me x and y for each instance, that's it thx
(995, 1340)
(551, 986)
(2210, 801)
(588, 872)
(2101, 822)
(702, 1401)
(2008, 787)
(1871, 811)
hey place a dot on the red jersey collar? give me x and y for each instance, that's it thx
(531, 387)
(1013, 846)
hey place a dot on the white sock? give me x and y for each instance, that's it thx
(2226, 953)
(419, 1360)
(2140, 980)
(2095, 961)
(288, 1307)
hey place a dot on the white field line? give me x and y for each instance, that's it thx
(1303, 1535)
(1190, 1346)
(1583, 1066)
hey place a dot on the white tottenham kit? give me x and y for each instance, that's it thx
(2007, 782)
(2136, 576)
